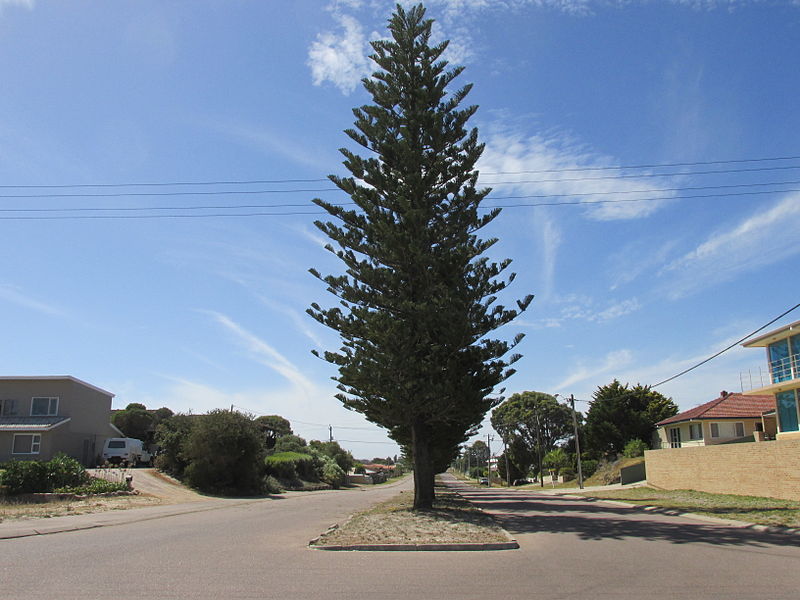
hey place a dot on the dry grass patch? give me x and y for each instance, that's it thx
(452, 520)
(753, 509)
(13, 510)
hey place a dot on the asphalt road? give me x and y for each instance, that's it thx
(569, 549)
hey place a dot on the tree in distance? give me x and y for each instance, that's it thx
(417, 299)
(619, 414)
(534, 418)
(273, 426)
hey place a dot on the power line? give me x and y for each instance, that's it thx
(320, 212)
(316, 180)
(255, 192)
(710, 358)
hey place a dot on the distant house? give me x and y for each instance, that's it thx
(783, 378)
(731, 417)
(42, 416)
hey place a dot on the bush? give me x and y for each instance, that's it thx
(35, 476)
(333, 474)
(289, 466)
(272, 485)
(588, 467)
(290, 443)
(171, 437)
(476, 472)
(225, 452)
(94, 486)
(634, 448)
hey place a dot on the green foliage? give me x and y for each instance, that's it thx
(225, 453)
(476, 472)
(272, 485)
(359, 468)
(94, 486)
(588, 467)
(333, 474)
(290, 443)
(533, 417)
(34, 476)
(135, 422)
(417, 300)
(333, 450)
(290, 466)
(619, 414)
(634, 448)
(171, 437)
(514, 472)
(273, 427)
(556, 460)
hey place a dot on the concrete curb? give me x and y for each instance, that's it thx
(690, 515)
(510, 545)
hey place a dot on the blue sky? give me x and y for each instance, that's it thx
(208, 311)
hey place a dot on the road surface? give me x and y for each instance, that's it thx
(569, 549)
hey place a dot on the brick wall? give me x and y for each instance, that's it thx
(769, 469)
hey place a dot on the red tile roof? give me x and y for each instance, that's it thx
(732, 406)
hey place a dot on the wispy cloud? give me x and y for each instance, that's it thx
(15, 295)
(29, 4)
(583, 309)
(556, 169)
(610, 365)
(265, 354)
(764, 238)
(340, 57)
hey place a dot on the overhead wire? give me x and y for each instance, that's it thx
(314, 180)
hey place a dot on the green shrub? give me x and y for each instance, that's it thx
(272, 485)
(634, 448)
(225, 452)
(171, 437)
(333, 474)
(35, 476)
(588, 467)
(94, 486)
(290, 466)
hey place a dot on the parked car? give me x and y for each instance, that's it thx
(127, 451)
(483, 481)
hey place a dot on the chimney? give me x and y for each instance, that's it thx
(723, 394)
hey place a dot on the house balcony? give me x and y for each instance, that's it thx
(782, 375)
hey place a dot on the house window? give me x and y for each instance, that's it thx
(784, 359)
(695, 431)
(715, 430)
(44, 407)
(787, 411)
(26, 443)
(675, 437)
(8, 407)
(739, 429)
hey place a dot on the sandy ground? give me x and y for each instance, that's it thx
(153, 488)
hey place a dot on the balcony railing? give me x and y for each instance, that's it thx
(784, 369)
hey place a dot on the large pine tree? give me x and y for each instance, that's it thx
(417, 298)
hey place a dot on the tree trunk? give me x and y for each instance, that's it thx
(423, 466)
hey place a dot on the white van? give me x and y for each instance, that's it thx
(127, 451)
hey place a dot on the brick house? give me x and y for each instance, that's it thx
(731, 417)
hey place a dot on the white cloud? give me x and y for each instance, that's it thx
(13, 294)
(265, 354)
(340, 58)
(29, 4)
(610, 365)
(764, 238)
(556, 169)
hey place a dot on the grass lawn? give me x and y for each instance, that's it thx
(753, 509)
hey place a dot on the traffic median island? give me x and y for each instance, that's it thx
(453, 524)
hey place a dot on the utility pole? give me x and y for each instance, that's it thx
(508, 473)
(330, 430)
(577, 442)
(539, 448)
(489, 460)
